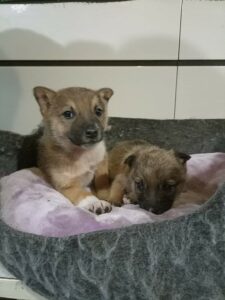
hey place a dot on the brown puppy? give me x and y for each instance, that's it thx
(72, 145)
(146, 174)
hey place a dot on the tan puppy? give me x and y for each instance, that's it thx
(72, 145)
(148, 175)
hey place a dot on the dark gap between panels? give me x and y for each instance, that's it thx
(111, 63)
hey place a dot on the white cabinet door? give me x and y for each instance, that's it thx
(203, 30)
(143, 29)
(201, 92)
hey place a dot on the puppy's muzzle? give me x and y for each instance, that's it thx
(156, 209)
(87, 135)
(91, 133)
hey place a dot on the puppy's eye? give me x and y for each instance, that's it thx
(68, 114)
(169, 186)
(139, 184)
(98, 111)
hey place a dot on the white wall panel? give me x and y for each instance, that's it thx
(143, 29)
(201, 92)
(203, 30)
(140, 92)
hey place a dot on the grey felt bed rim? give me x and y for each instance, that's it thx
(178, 259)
(147, 261)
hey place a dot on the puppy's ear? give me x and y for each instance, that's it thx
(105, 93)
(129, 160)
(43, 96)
(182, 157)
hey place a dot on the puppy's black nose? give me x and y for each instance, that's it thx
(91, 132)
(159, 211)
(156, 211)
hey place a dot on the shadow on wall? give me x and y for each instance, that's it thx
(28, 41)
(11, 89)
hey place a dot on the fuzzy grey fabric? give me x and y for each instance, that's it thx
(191, 136)
(179, 259)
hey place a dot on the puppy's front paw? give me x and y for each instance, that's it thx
(95, 205)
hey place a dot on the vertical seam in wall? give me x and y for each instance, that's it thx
(178, 59)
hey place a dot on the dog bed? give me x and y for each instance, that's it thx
(183, 258)
(29, 204)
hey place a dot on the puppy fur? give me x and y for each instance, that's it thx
(72, 145)
(148, 175)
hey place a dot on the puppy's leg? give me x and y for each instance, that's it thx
(101, 180)
(117, 190)
(74, 192)
(85, 199)
(37, 172)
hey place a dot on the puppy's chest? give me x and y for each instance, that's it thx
(82, 168)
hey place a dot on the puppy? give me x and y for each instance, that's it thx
(72, 146)
(148, 175)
